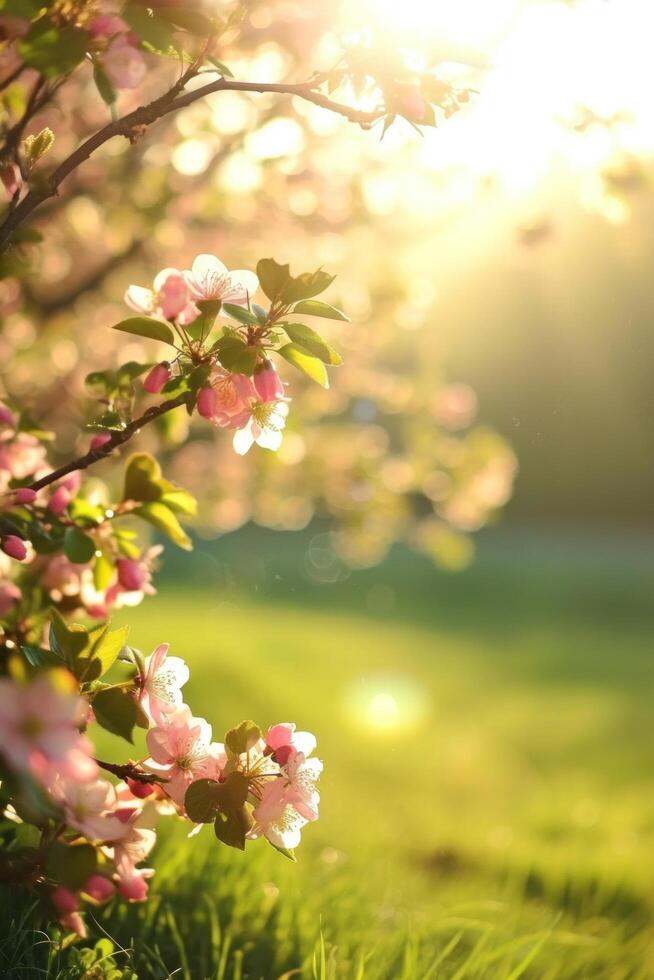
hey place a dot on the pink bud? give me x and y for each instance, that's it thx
(140, 790)
(7, 417)
(132, 574)
(75, 923)
(106, 25)
(11, 178)
(100, 440)
(173, 295)
(134, 889)
(410, 102)
(268, 384)
(157, 378)
(14, 547)
(25, 495)
(10, 594)
(59, 501)
(207, 403)
(99, 888)
(64, 900)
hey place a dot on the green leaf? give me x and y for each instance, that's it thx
(181, 502)
(103, 572)
(312, 343)
(288, 852)
(236, 356)
(241, 314)
(116, 711)
(78, 547)
(146, 326)
(201, 800)
(222, 68)
(130, 371)
(149, 26)
(315, 307)
(190, 20)
(40, 657)
(67, 642)
(106, 90)
(210, 307)
(71, 864)
(142, 478)
(273, 277)
(106, 646)
(242, 738)
(305, 286)
(51, 49)
(165, 521)
(311, 366)
(233, 819)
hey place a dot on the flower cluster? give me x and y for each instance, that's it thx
(69, 549)
(94, 835)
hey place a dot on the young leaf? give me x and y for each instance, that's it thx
(222, 68)
(236, 356)
(305, 286)
(311, 366)
(116, 711)
(312, 343)
(190, 20)
(103, 572)
(146, 326)
(149, 26)
(315, 307)
(71, 864)
(242, 738)
(272, 277)
(241, 314)
(201, 801)
(288, 852)
(142, 478)
(164, 520)
(103, 653)
(51, 49)
(78, 547)
(106, 90)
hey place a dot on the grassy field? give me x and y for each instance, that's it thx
(488, 797)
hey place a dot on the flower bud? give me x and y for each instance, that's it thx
(100, 440)
(410, 102)
(134, 889)
(207, 403)
(11, 177)
(7, 417)
(59, 501)
(25, 495)
(140, 790)
(132, 574)
(10, 594)
(14, 547)
(75, 923)
(268, 384)
(99, 888)
(157, 378)
(64, 900)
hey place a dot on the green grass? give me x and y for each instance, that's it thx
(502, 826)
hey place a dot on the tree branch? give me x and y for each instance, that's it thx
(117, 439)
(130, 771)
(135, 123)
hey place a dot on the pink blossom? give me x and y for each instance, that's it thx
(410, 102)
(227, 401)
(180, 750)
(267, 411)
(106, 25)
(99, 888)
(208, 278)
(10, 594)
(161, 684)
(20, 457)
(124, 65)
(285, 741)
(89, 807)
(39, 725)
(169, 298)
(14, 547)
(134, 575)
(276, 818)
(134, 846)
(157, 377)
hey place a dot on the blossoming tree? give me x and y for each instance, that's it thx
(74, 550)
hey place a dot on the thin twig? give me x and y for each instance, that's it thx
(117, 439)
(135, 123)
(130, 771)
